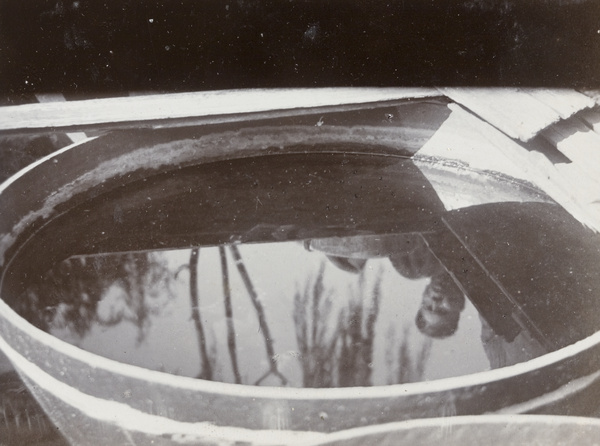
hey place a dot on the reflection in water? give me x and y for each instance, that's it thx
(409, 254)
(334, 315)
(318, 271)
(333, 312)
(336, 353)
(330, 312)
(336, 348)
(104, 290)
(357, 333)
(408, 368)
(317, 339)
(229, 316)
(529, 269)
(206, 367)
(262, 320)
(441, 307)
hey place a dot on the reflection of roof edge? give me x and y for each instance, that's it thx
(520, 113)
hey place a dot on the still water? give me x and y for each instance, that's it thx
(313, 271)
(235, 313)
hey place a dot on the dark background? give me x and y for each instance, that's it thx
(103, 48)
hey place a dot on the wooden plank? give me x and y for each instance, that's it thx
(458, 139)
(540, 171)
(188, 105)
(518, 113)
(564, 101)
(594, 94)
(577, 142)
(587, 185)
(591, 119)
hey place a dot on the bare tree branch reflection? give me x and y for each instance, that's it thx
(410, 368)
(262, 321)
(229, 316)
(206, 368)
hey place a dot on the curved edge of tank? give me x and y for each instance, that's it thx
(473, 430)
(86, 419)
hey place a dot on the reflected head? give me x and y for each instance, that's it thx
(440, 308)
(435, 325)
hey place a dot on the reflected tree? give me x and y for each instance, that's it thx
(229, 316)
(356, 330)
(341, 356)
(404, 364)
(262, 320)
(68, 295)
(206, 371)
(316, 341)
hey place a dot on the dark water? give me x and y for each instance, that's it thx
(321, 270)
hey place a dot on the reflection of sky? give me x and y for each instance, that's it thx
(462, 353)
(277, 271)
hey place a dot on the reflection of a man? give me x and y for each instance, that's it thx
(442, 300)
(440, 308)
(527, 268)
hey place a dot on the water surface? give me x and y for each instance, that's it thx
(322, 270)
